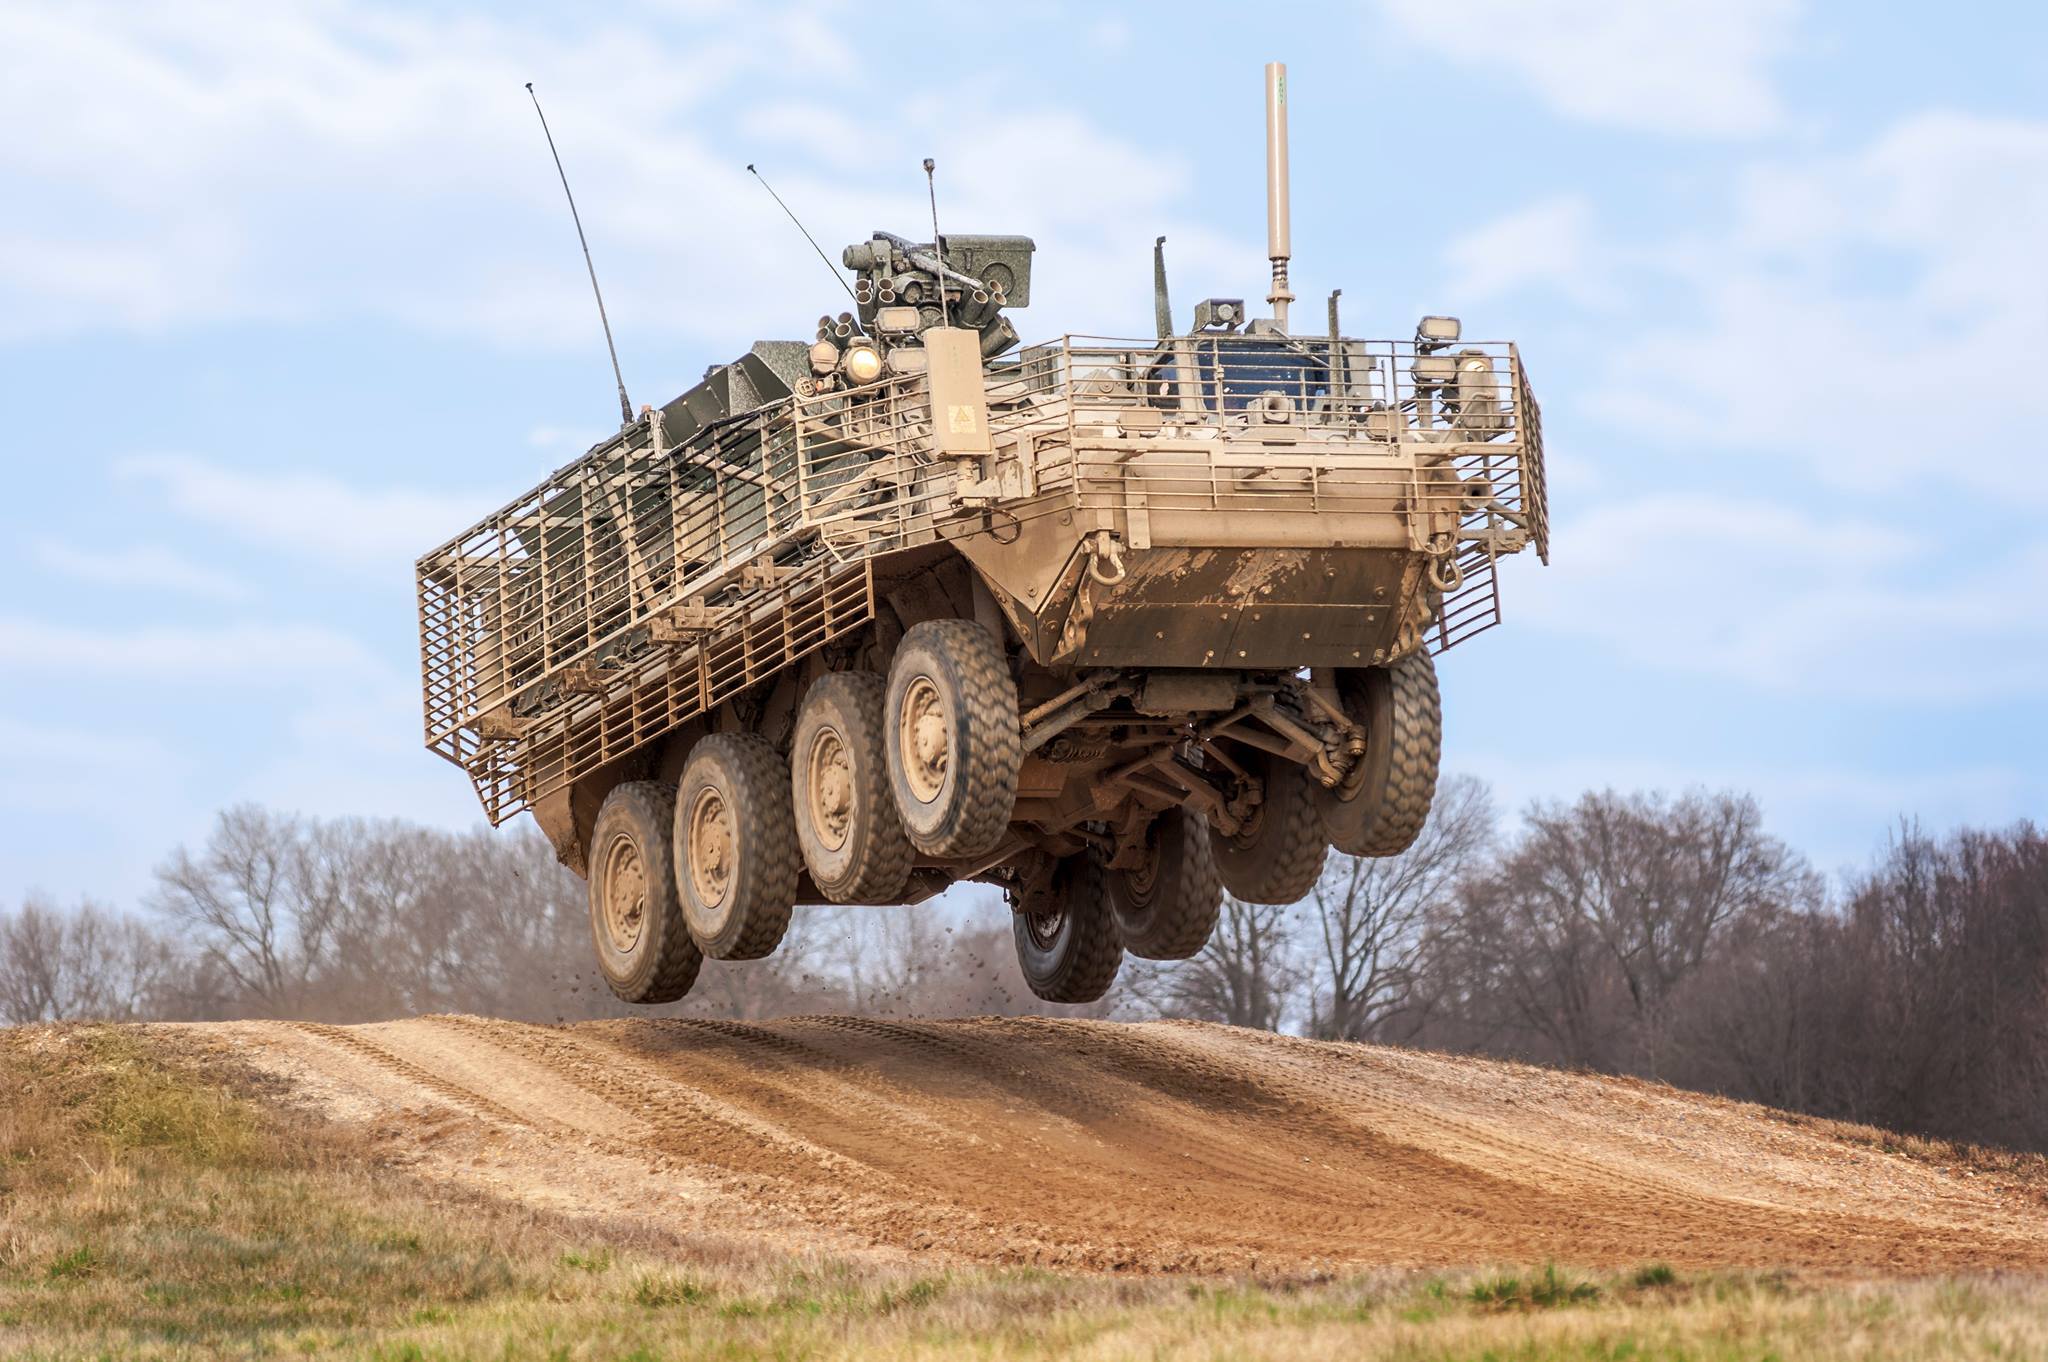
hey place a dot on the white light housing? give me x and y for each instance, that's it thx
(1438, 330)
(1435, 371)
(863, 363)
(897, 319)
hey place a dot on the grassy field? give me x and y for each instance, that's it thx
(148, 1212)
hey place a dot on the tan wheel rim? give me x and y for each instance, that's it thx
(1045, 928)
(1141, 879)
(711, 848)
(625, 893)
(830, 789)
(924, 738)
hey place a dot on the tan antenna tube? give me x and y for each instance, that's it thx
(1277, 247)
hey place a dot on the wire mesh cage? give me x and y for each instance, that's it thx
(648, 581)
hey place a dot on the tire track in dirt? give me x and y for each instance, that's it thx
(1615, 1182)
(1160, 1146)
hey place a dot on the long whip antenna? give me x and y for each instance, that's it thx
(625, 404)
(836, 275)
(938, 247)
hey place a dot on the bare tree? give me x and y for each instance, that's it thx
(1580, 941)
(85, 963)
(1371, 912)
(257, 904)
(1246, 976)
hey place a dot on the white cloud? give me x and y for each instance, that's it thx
(1882, 314)
(46, 767)
(1108, 36)
(360, 752)
(1786, 600)
(1546, 245)
(242, 160)
(309, 514)
(1691, 69)
(1879, 317)
(142, 567)
(236, 655)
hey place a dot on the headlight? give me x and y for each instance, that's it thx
(1435, 331)
(863, 363)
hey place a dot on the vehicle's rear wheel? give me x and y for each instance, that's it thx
(644, 948)
(954, 744)
(735, 846)
(1067, 945)
(846, 820)
(1166, 908)
(1277, 855)
(1402, 714)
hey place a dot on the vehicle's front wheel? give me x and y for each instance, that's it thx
(735, 846)
(1166, 907)
(1067, 944)
(955, 746)
(644, 948)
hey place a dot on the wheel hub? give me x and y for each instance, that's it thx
(711, 847)
(625, 893)
(925, 739)
(1142, 879)
(831, 789)
(1045, 927)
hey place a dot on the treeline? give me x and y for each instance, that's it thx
(351, 920)
(1672, 939)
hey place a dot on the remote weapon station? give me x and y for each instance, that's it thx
(1115, 625)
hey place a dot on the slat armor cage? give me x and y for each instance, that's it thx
(647, 582)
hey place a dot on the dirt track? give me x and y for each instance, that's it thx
(1153, 1147)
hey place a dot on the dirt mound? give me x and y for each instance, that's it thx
(1156, 1147)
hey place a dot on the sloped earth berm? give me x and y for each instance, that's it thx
(1154, 1147)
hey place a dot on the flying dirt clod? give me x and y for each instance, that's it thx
(1116, 625)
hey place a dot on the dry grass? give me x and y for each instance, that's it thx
(146, 1212)
(2010, 1170)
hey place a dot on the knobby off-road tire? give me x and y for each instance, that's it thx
(955, 745)
(1277, 855)
(846, 821)
(644, 948)
(735, 846)
(1070, 953)
(1166, 909)
(1402, 713)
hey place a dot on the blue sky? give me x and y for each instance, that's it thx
(287, 294)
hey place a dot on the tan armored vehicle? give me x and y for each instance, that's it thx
(1116, 625)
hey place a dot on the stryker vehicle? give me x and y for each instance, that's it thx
(1115, 625)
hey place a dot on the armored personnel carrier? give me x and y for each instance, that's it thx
(1115, 625)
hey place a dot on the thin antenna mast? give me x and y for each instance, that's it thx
(938, 247)
(625, 403)
(1278, 247)
(806, 231)
(1162, 310)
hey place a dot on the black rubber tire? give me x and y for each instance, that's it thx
(747, 919)
(969, 809)
(659, 963)
(1071, 955)
(1402, 713)
(1169, 913)
(872, 862)
(1279, 853)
